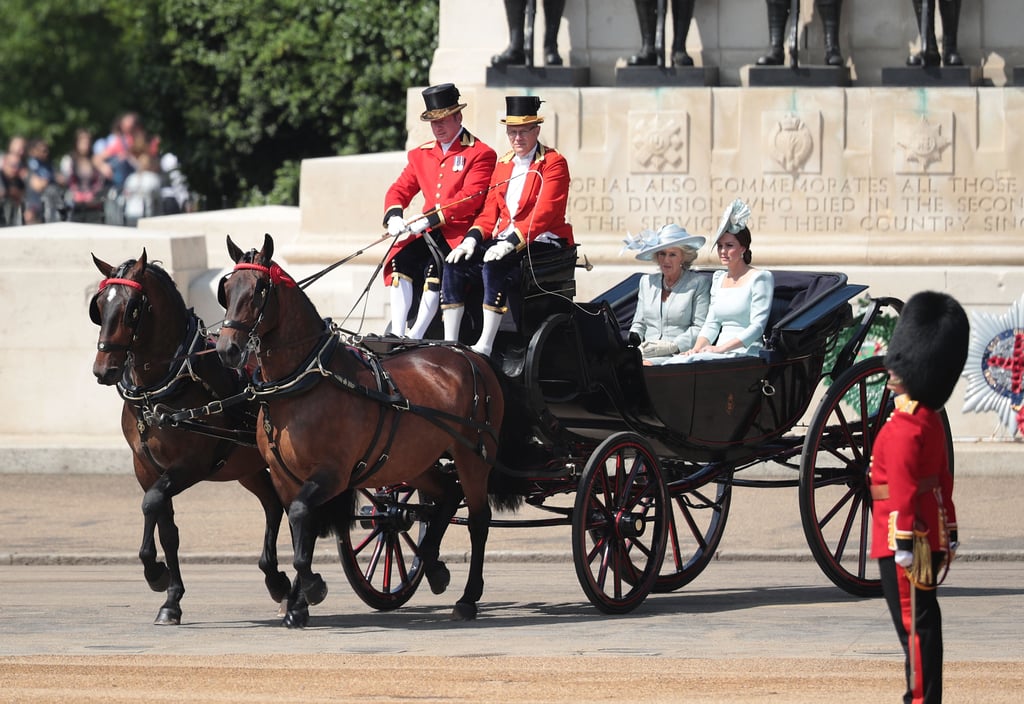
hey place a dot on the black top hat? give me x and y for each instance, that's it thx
(522, 110)
(441, 101)
(928, 349)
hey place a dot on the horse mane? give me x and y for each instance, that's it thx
(164, 279)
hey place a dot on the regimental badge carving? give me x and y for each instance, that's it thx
(925, 143)
(995, 366)
(659, 142)
(791, 142)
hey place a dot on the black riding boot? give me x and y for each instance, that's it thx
(647, 16)
(682, 13)
(778, 14)
(830, 11)
(929, 54)
(950, 12)
(515, 13)
(552, 21)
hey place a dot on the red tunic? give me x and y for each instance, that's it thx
(445, 180)
(909, 458)
(541, 206)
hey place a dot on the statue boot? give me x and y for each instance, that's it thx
(778, 15)
(514, 55)
(682, 13)
(830, 11)
(949, 10)
(929, 54)
(553, 10)
(647, 16)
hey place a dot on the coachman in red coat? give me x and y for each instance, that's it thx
(912, 483)
(452, 172)
(525, 209)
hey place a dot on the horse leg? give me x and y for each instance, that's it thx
(170, 612)
(262, 487)
(304, 533)
(154, 504)
(434, 569)
(479, 526)
(297, 609)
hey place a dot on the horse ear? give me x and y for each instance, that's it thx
(104, 268)
(143, 258)
(268, 249)
(234, 251)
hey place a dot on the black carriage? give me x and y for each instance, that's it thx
(648, 455)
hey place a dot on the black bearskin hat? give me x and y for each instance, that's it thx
(929, 347)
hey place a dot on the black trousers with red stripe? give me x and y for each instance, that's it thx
(927, 687)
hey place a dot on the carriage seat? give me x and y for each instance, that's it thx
(543, 284)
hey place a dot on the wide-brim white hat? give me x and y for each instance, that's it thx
(671, 235)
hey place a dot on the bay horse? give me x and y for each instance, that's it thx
(335, 417)
(156, 351)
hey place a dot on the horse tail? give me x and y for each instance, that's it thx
(335, 515)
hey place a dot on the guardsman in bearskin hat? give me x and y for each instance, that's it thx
(914, 533)
(452, 172)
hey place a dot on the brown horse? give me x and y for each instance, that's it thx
(335, 417)
(153, 347)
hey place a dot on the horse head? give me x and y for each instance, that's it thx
(246, 295)
(118, 308)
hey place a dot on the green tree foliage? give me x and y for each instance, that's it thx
(255, 86)
(240, 90)
(59, 70)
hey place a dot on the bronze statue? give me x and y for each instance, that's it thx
(929, 54)
(650, 50)
(515, 13)
(778, 16)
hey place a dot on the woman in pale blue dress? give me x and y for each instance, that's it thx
(672, 304)
(741, 296)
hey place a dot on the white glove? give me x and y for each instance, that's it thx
(396, 224)
(499, 251)
(904, 558)
(463, 251)
(658, 348)
(418, 224)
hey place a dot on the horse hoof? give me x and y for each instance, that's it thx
(316, 591)
(438, 577)
(168, 616)
(278, 585)
(158, 577)
(464, 611)
(298, 618)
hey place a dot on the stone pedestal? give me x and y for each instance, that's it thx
(535, 76)
(799, 76)
(931, 76)
(674, 76)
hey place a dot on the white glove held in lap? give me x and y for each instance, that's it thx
(904, 558)
(658, 348)
(463, 251)
(499, 251)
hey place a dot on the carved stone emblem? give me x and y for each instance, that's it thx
(791, 143)
(924, 143)
(658, 142)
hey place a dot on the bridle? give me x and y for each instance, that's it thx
(132, 313)
(261, 295)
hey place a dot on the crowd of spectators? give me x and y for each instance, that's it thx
(116, 179)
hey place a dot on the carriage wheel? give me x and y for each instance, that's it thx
(380, 549)
(619, 524)
(835, 503)
(695, 529)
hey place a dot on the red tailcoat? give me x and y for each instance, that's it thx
(445, 180)
(909, 458)
(541, 206)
